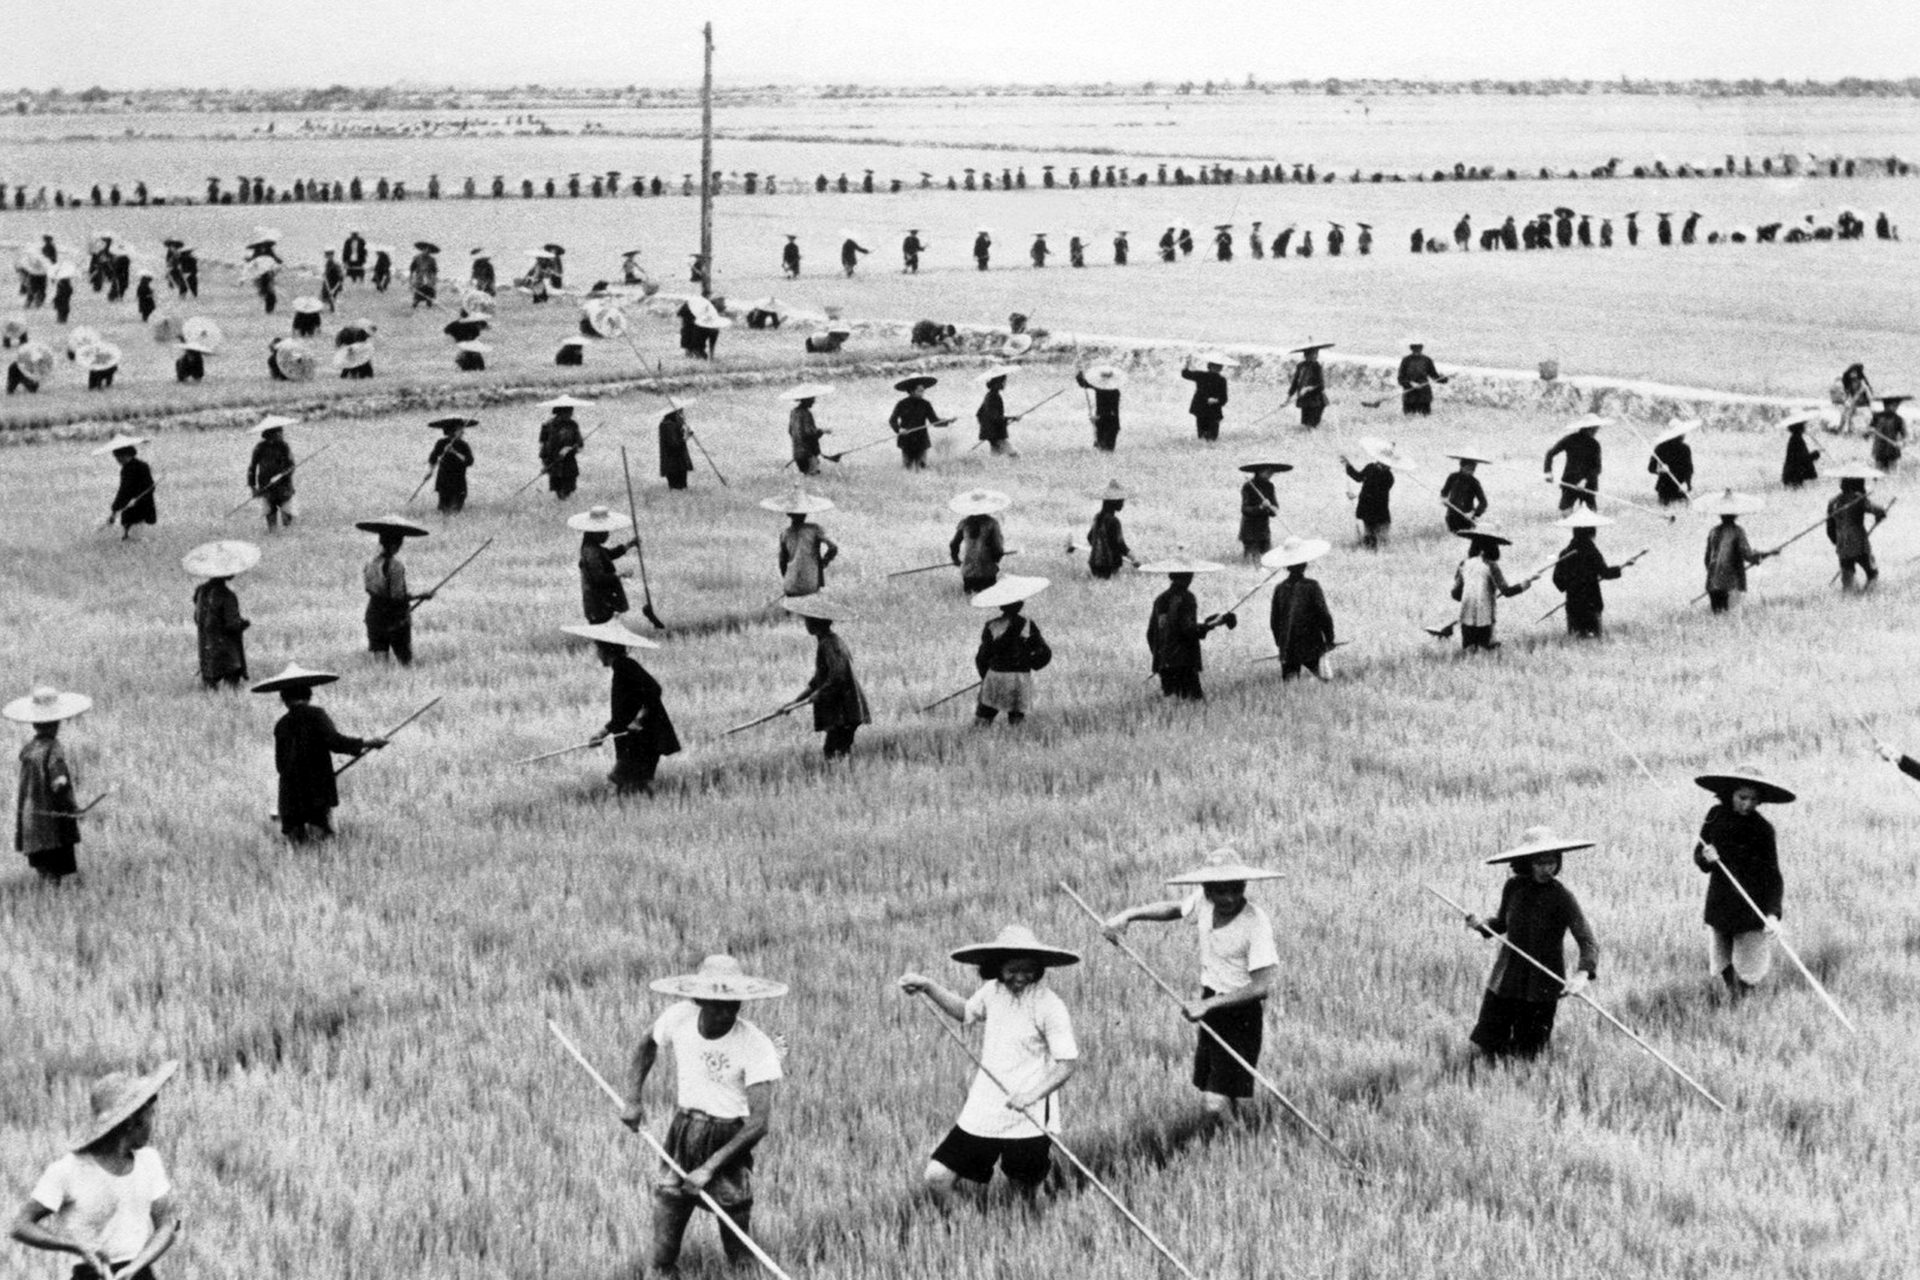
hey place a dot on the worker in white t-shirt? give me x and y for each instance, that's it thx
(108, 1201)
(724, 1069)
(1237, 968)
(1028, 1049)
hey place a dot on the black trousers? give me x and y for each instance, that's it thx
(1512, 1028)
(1182, 683)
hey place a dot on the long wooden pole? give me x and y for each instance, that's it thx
(449, 577)
(1627, 563)
(261, 492)
(1773, 551)
(951, 696)
(639, 551)
(706, 166)
(713, 1205)
(389, 734)
(1054, 1138)
(570, 451)
(1662, 1058)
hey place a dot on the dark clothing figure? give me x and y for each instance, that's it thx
(1107, 546)
(1672, 468)
(1888, 431)
(1798, 468)
(1849, 532)
(910, 254)
(790, 260)
(695, 338)
(1301, 623)
(304, 744)
(45, 831)
(911, 421)
(850, 253)
(189, 366)
(637, 721)
(1745, 844)
(219, 626)
(803, 436)
(977, 547)
(423, 275)
(1465, 498)
(676, 461)
(1120, 250)
(1105, 413)
(353, 256)
(602, 595)
(839, 705)
(1258, 503)
(270, 477)
(389, 614)
(1174, 633)
(464, 328)
(560, 442)
(1209, 401)
(1308, 389)
(133, 501)
(993, 420)
(143, 298)
(450, 458)
(1417, 376)
(1372, 508)
(1580, 477)
(1728, 557)
(1578, 575)
(982, 250)
(1517, 1013)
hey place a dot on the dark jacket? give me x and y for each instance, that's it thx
(1174, 631)
(1207, 386)
(1011, 644)
(913, 412)
(270, 471)
(304, 744)
(1847, 526)
(1106, 402)
(977, 546)
(450, 459)
(1580, 574)
(1537, 918)
(803, 434)
(1308, 386)
(133, 500)
(1302, 624)
(1727, 557)
(838, 702)
(1462, 491)
(217, 621)
(560, 442)
(992, 417)
(1745, 845)
(1583, 459)
(1798, 466)
(1376, 484)
(1676, 457)
(42, 804)
(602, 594)
(1417, 368)
(1257, 505)
(637, 714)
(675, 458)
(1107, 547)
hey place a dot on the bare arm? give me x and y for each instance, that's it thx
(1258, 988)
(1171, 909)
(31, 1227)
(1057, 1074)
(637, 1072)
(166, 1230)
(948, 1002)
(759, 1116)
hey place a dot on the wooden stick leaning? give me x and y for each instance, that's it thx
(415, 604)
(115, 513)
(261, 492)
(661, 376)
(639, 551)
(775, 714)
(567, 751)
(423, 484)
(875, 444)
(1444, 630)
(1215, 1036)
(570, 451)
(1583, 491)
(1662, 1058)
(1061, 1147)
(388, 735)
(1563, 604)
(712, 1205)
(940, 702)
(1050, 399)
(944, 564)
(1779, 933)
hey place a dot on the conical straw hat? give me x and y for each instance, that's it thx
(719, 978)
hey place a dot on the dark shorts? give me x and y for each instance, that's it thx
(1025, 1161)
(1241, 1027)
(1513, 1028)
(692, 1138)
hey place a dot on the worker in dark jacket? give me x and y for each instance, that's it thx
(1373, 508)
(676, 460)
(1011, 650)
(1888, 432)
(1300, 621)
(1736, 851)
(389, 615)
(851, 252)
(637, 720)
(1258, 506)
(1103, 383)
(1536, 914)
(603, 596)
(910, 250)
(1671, 463)
(839, 704)
(133, 501)
(217, 621)
(1417, 375)
(1847, 526)
(1580, 477)
(1209, 393)
(560, 444)
(1798, 468)
(270, 471)
(353, 255)
(992, 414)
(803, 433)
(1729, 555)
(46, 823)
(304, 744)
(790, 258)
(1175, 628)
(1308, 386)
(1107, 546)
(1581, 570)
(449, 459)
(982, 248)
(912, 419)
(978, 546)
(1462, 494)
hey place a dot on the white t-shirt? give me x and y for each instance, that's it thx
(112, 1215)
(1230, 954)
(1025, 1035)
(713, 1075)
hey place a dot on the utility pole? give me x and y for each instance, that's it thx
(706, 169)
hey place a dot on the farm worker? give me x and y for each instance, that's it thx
(790, 258)
(638, 723)
(910, 251)
(1729, 554)
(190, 365)
(1103, 383)
(1209, 400)
(1854, 394)
(45, 829)
(1889, 431)
(1580, 477)
(1223, 242)
(1107, 546)
(1580, 571)
(382, 269)
(423, 274)
(1120, 248)
(1461, 492)
(982, 248)
(992, 414)
(1029, 1051)
(850, 251)
(724, 1071)
(1847, 527)
(108, 1201)
(1238, 965)
(1536, 914)
(133, 500)
(560, 445)
(389, 615)
(353, 255)
(270, 470)
(1797, 467)
(803, 433)
(1418, 373)
(1739, 843)
(602, 595)
(1300, 621)
(1258, 505)
(465, 327)
(1308, 386)
(1011, 650)
(1039, 252)
(1672, 462)
(912, 419)
(304, 744)
(1372, 507)
(839, 705)
(805, 551)
(977, 545)
(1479, 586)
(1175, 629)
(216, 610)
(676, 460)
(449, 458)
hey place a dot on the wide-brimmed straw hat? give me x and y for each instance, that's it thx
(308, 305)
(1223, 866)
(719, 978)
(1856, 471)
(1414, 340)
(1015, 942)
(274, 422)
(1804, 418)
(1011, 589)
(116, 1098)
(100, 355)
(1309, 347)
(813, 606)
(1105, 377)
(45, 705)
(1586, 420)
(798, 503)
(452, 422)
(1468, 455)
(1584, 519)
(1114, 492)
(1729, 503)
(918, 382)
(998, 371)
(599, 519)
(392, 524)
(1220, 358)
(354, 355)
(294, 676)
(1254, 468)
(203, 331)
(564, 402)
(1384, 452)
(1295, 551)
(1488, 530)
(1535, 841)
(1678, 427)
(1766, 790)
(475, 346)
(1017, 344)
(121, 440)
(806, 391)
(1180, 564)
(426, 246)
(613, 631)
(979, 502)
(226, 558)
(200, 348)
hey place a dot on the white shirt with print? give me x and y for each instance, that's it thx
(713, 1075)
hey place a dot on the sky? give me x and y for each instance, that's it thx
(248, 43)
